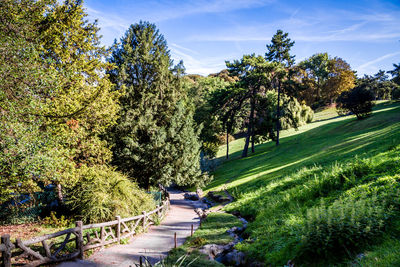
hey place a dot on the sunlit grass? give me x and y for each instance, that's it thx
(276, 186)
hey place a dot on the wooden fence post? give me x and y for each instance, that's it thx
(6, 255)
(79, 239)
(191, 231)
(158, 211)
(144, 220)
(118, 229)
(175, 241)
(102, 234)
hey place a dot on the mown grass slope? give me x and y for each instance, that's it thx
(329, 192)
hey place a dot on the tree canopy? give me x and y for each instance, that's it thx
(322, 79)
(154, 140)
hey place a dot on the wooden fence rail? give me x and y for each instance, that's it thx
(71, 243)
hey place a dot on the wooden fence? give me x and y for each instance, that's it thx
(71, 243)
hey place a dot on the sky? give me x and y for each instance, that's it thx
(206, 33)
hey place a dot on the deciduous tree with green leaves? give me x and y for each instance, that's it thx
(206, 111)
(324, 79)
(56, 100)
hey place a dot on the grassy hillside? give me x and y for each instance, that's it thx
(329, 192)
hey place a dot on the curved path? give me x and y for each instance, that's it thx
(158, 240)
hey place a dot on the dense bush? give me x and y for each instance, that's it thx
(358, 100)
(292, 114)
(101, 194)
(342, 227)
(300, 114)
(27, 208)
(26, 213)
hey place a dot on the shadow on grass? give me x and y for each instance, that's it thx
(324, 144)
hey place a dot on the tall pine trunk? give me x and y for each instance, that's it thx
(249, 129)
(252, 131)
(278, 114)
(246, 144)
(227, 144)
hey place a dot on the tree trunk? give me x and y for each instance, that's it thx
(249, 130)
(246, 144)
(60, 194)
(252, 129)
(278, 114)
(227, 144)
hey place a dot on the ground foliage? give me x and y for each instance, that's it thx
(102, 193)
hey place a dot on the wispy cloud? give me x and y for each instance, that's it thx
(205, 33)
(112, 26)
(362, 37)
(335, 26)
(171, 9)
(370, 66)
(193, 65)
(177, 47)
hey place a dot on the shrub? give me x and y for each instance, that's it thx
(342, 227)
(294, 114)
(53, 221)
(307, 113)
(102, 193)
(25, 213)
(358, 100)
(222, 139)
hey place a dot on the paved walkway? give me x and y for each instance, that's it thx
(158, 240)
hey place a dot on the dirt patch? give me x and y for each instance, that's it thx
(23, 231)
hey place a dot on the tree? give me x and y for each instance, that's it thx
(293, 114)
(341, 78)
(279, 51)
(395, 73)
(224, 75)
(154, 140)
(255, 74)
(227, 105)
(317, 70)
(82, 106)
(379, 85)
(57, 90)
(324, 78)
(200, 93)
(358, 101)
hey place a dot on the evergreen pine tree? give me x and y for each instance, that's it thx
(154, 140)
(278, 51)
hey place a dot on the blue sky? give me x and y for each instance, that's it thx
(205, 33)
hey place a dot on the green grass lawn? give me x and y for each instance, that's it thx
(335, 167)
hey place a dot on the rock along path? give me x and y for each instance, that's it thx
(158, 240)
